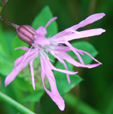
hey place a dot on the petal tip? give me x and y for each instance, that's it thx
(69, 81)
(6, 83)
(62, 107)
(103, 14)
(100, 63)
(104, 30)
(34, 87)
(55, 17)
(76, 72)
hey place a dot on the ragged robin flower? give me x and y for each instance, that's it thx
(57, 46)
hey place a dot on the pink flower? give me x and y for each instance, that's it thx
(42, 46)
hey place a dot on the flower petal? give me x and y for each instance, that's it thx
(84, 34)
(68, 78)
(21, 63)
(18, 61)
(23, 48)
(69, 59)
(91, 19)
(32, 74)
(78, 35)
(61, 49)
(54, 94)
(51, 20)
(14, 73)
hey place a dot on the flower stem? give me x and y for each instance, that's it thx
(15, 104)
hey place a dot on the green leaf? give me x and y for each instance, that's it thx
(6, 39)
(61, 79)
(17, 43)
(23, 85)
(35, 96)
(9, 36)
(6, 65)
(82, 45)
(3, 39)
(41, 20)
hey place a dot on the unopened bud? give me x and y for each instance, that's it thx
(27, 34)
(3, 2)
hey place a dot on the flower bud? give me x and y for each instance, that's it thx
(3, 2)
(27, 34)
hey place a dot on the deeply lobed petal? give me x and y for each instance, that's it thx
(21, 63)
(14, 73)
(54, 94)
(77, 35)
(92, 18)
(68, 58)
(89, 20)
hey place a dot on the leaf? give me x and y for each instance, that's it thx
(17, 43)
(6, 64)
(9, 36)
(35, 97)
(61, 79)
(3, 39)
(41, 20)
(82, 45)
(23, 85)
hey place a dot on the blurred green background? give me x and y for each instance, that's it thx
(96, 89)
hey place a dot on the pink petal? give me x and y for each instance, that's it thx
(84, 34)
(41, 40)
(91, 19)
(18, 61)
(32, 74)
(68, 78)
(51, 20)
(23, 48)
(70, 48)
(21, 63)
(78, 35)
(59, 47)
(30, 54)
(69, 59)
(14, 73)
(54, 68)
(81, 51)
(54, 94)
(41, 31)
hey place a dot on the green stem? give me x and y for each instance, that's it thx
(15, 104)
